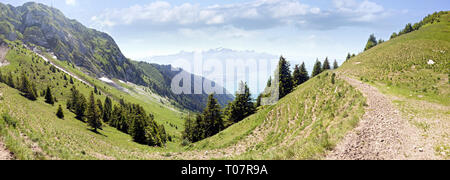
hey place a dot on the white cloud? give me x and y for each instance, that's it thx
(257, 14)
(71, 2)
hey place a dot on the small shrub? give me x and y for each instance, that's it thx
(9, 120)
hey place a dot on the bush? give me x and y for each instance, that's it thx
(10, 121)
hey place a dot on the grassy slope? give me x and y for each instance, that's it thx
(41, 135)
(400, 69)
(399, 66)
(303, 125)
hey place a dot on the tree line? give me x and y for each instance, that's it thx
(430, 19)
(128, 118)
(214, 119)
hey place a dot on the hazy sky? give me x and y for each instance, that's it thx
(298, 29)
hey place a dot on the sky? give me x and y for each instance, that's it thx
(296, 29)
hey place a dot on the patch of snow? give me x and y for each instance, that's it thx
(431, 62)
(105, 79)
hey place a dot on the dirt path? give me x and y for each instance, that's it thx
(4, 153)
(382, 133)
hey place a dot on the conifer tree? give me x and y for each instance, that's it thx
(301, 76)
(60, 113)
(107, 110)
(285, 78)
(258, 101)
(27, 88)
(317, 68)
(10, 80)
(80, 107)
(93, 114)
(372, 42)
(242, 106)
(348, 56)
(296, 75)
(335, 64)
(212, 117)
(326, 65)
(49, 97)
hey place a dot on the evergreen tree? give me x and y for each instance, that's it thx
(348, 56)
(285, 78)
(296, 75)
(138, 124)
(27, 88)
(107, 110)
(258, 101)
(372, 42)
(60, 113)
(394, 35)
(335, 64)
(71, 80)
(10, 80)
(302, 75)
(189, 128)
(242, 106)
(269, 82)
(212, 117)
(93, 113)
(80, 107)
(326, 65)
(317, 69)
(49, 97)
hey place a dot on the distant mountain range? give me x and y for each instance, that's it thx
(227, 56)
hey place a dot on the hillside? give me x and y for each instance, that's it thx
(95, 52)
(159, 78)
(400, 107)
(389, 102)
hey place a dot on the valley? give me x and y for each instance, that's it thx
(387, 102)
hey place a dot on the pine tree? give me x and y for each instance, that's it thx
(93, 113)
(301, 76)
(335, 64)
(71, 80)
(49, 97)
(242, 106)
(394, 35)
(10, 80)
(348, 56)
(269, 82)
(27, 88)
(258, 101)
(326, 65)
(60, 113)
(296, 75)
(188, 128)
(107, 110)
(138, 124)
(212, 117)
(285, 78)
(80, 107)
(317, 69)
(372, 42)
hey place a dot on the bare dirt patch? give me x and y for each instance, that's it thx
(4, 153)
(382, 133)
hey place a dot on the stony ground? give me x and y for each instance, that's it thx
(382, 133)
(4, 153)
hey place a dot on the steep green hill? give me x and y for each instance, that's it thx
(414, 65)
